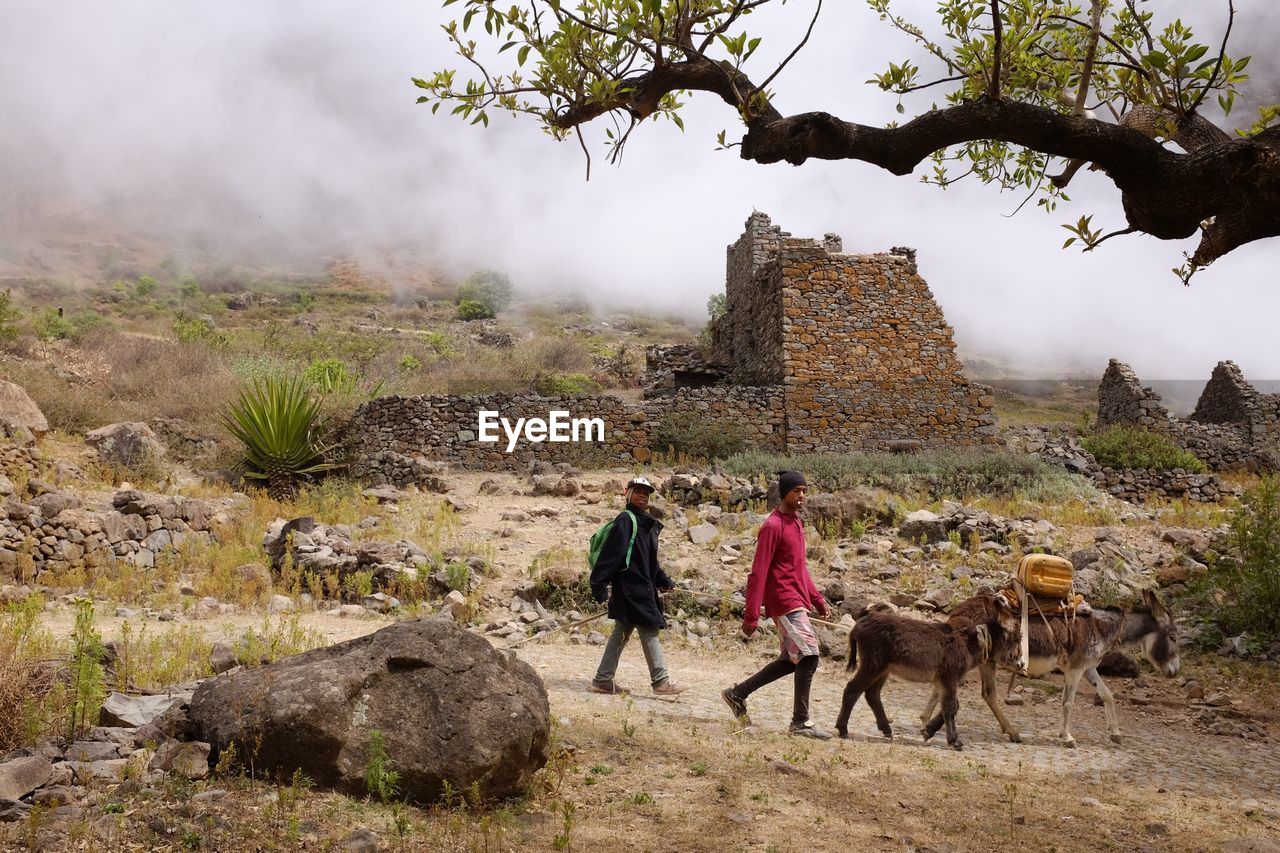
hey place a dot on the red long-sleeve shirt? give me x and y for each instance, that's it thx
(779, 575)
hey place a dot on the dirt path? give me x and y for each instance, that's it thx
(1161, 748)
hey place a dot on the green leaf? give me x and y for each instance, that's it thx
(522, 54)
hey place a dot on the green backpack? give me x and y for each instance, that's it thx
(598, 538)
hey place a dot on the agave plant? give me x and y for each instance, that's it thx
(275, 420)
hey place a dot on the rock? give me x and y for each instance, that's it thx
(382, 494)
(188, 760)
(128, 444)
(135, 711)
(456, 603)
(87, 772)
(595, 638)
(1176, 573)
(50, 504)
(221, 657)
(20, 409)
(54, 796)
(12, 811)
(21, 776)
(361, 840)
(923, 524)
(281, 604)
(1119, 664)
(255, 577)
(457, 504)
(92, 751)
(703, 534)
(449, 705)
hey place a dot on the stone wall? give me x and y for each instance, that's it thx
(755, 413)
(869, 358)
(1140, 484)
(440, 427)
(43, 529)
(400, 440)
(1233, 427)
(679, 366)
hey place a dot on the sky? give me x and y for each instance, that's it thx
(287, 131)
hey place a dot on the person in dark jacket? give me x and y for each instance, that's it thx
(634, 604)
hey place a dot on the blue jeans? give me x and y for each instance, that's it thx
(613, 651)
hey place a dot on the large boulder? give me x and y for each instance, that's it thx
(18, 408)
(449, 706)
(128, 444)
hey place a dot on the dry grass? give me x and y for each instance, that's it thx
(31, 692)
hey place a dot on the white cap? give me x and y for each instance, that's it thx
(642, 483)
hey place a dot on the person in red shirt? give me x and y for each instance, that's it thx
(780, 580)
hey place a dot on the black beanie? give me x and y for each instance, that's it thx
(788, 480)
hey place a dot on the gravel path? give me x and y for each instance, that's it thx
(1162, 747)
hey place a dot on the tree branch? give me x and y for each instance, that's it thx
(1222, 53)
(993, 88)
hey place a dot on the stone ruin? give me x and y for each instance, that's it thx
(852, 347)
(1234, 427)
(817, 351)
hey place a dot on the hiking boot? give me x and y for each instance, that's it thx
(808, 729)
(611, 688)
(669, 688)
(736, 704)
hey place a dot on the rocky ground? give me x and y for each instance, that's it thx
(1197, 769)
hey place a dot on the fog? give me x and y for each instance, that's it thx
(284, 134)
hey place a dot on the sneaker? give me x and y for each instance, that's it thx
(611, 688)
(736, 704)
(669, 688)
(808, 729)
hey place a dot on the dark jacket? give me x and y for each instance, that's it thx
(635, 587)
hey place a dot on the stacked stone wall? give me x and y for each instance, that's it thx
(1138, 485)
(445, 428)
(754, 413)
(53, 532)
(1233, 427)
(397, 439)
(869, 358)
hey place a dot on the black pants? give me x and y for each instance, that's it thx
(781, 668)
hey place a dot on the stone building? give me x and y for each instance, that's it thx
(1233, 427)
(817, 351)
(852, 348)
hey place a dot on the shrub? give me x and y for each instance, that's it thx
(330, 376)
(10, 319)
(488, 287)
(569, 383)
(276, 421)
(474, 309)
(692, 435)
(1134, 447)
(1249, 573)
(85, 322)
(935, 473)
(50, 325)
(408, 364)
(145, 287)
(192, 330)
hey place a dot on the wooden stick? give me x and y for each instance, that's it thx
(558, 628)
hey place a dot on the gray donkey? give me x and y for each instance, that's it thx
(1074, 644)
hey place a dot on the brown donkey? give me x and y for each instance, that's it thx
(882, 644)
(1074, 644)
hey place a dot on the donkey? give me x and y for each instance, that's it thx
(883, 644)
(1074, 644)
